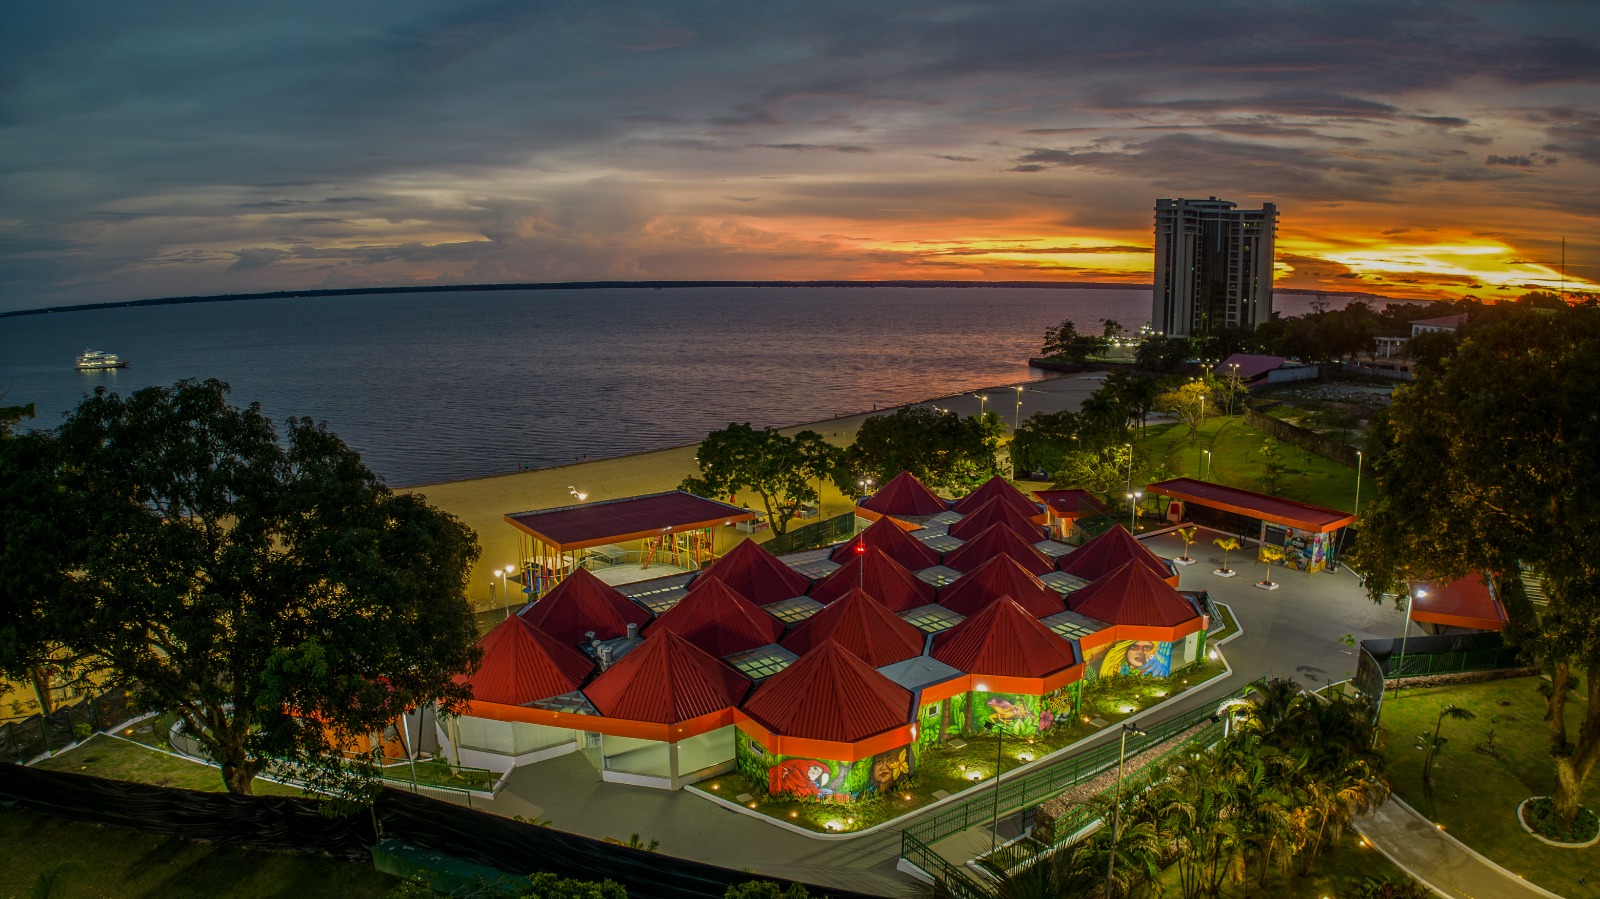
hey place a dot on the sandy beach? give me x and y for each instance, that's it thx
(483, 503)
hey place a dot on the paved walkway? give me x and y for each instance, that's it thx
(1438, 859)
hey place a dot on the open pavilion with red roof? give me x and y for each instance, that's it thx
(1249, 513)
(1468, 602)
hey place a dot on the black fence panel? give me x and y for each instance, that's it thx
(259, 822)
(288, 823)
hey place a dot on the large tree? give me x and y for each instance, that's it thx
(1064, 342)
(942, 449)
(1491, 463)
(273, 594)
(783, 471)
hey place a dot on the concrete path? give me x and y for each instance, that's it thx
(1439, 860)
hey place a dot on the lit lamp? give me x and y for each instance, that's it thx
(1133, 509)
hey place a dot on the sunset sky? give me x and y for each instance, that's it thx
(163, 148)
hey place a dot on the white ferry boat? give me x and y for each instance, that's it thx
(95, 360)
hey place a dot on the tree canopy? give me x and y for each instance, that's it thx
(1064, 342)
(782, 471)
(942, 449)
(1491, 463)
(273, 594)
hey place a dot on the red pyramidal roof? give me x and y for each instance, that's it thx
(907, 496)
(999, 540)
(892, 539)
(1108, 552)
(1133, 594)
(756, 574)
(1000, 576)
(666, 680)
(718, 620)
(884, 579)
(584, 603)
(996, 511)
(1003, 640)
(522, 664)
(862, 625)
(829, 694)
(995, 488)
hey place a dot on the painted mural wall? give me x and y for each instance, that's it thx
(1017, 714)
(1128, 657)
(821, 780)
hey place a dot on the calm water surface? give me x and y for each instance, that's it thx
(432, 387)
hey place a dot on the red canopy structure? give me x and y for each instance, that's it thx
(718, 620)
(1139, 603)
(997, 511)
(884, 579)
(522, 664)
(902, 497)
(1288, 513)
(996, 488)
(900, 546)
(666, 680)
(1110, 551)
(829, 694)
(999, 577)
(1005, 640)
(1070, 504)
(999, 540)
(756, 574)
(862, 625)
(584, 603)
(1467, 602)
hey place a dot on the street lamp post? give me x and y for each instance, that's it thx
(1016, 418)
(982, 400)
(1116, 805)
(1129, 448)
(1206, 469)
(1404, 636)
(999, 745)
(1133, 509)
(503, 572)
(1359, 459)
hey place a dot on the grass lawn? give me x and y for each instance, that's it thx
(116, 759)
(941, 768)
(1340, 872)
(1475, 793)
(49, 857)
(1236, 462)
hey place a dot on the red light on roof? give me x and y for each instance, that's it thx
(861, 547)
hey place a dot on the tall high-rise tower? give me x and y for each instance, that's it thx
(1213, 266)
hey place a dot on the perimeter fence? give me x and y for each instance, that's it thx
(304, 825)
(36, 735)
(1028, 791)
(813, 535)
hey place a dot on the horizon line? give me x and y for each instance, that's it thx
(656, 284)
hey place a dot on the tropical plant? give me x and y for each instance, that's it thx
(1227, 545)
(1188, 405)
(1064, 342)
(941, 449)
(1432, 744)
(1269, 554)
(1187, 535)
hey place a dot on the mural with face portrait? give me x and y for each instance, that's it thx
(1126, 657)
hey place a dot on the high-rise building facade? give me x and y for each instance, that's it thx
(1213, 266)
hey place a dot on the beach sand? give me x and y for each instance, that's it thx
(483, 503)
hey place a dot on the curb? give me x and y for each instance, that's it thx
(1515, 878)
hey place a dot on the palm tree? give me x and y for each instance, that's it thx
(1432, 743)
(1271, 555)
(1070, 872)
(1187, 535)
(1271, 701)
(1228, 545)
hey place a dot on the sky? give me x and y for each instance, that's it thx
(1414, 149)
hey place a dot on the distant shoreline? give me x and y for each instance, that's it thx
(595, 285)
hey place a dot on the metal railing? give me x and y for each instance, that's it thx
(1049, 782)
(955, 881)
